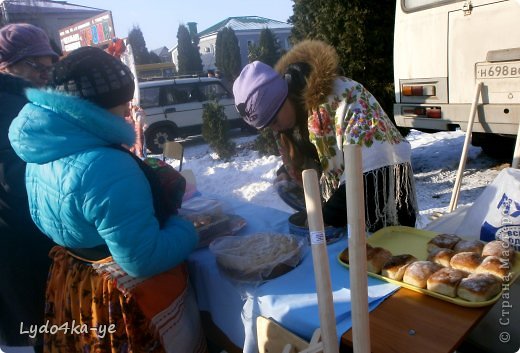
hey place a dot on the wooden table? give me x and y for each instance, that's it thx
(407, 321)
(413, 322)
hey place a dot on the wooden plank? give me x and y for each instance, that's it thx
(272, 338)
(357, 248)
(411, 322)
(465, 148)
(320, 260)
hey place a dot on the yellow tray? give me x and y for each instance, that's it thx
(406, 240)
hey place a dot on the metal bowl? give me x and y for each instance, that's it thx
(298, 227)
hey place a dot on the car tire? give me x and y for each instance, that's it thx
(495, 146)
(155, 138)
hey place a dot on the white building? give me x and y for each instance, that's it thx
(247, 30)
(163, 53)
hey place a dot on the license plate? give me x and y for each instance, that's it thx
(497, 70)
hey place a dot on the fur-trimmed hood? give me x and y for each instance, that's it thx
(324, 62)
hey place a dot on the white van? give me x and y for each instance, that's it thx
(442, 50)
(174, 108)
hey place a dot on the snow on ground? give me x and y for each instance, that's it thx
(248, 176)
(435, 160)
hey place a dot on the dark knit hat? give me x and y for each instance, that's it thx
(94, 75)
(22, 40)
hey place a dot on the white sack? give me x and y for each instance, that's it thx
(495, 214)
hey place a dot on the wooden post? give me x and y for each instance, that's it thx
(456, 188)
(516, 155)
(320, 260)
(357, 249)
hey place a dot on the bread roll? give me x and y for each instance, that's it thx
(479, 287)
(466, 261)
(441, 256)
(500, 249)
(418, 272)
(469, 246)
(376, 258)
(344, 256)
(447, 241)
(395, 267)
(445, 281)
(495, 266)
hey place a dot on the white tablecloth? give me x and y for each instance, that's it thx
(290, 299)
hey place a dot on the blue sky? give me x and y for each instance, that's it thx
(160, 19)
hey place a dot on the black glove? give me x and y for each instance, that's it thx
(335, 209)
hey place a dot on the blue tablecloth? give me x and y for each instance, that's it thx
(290, 299)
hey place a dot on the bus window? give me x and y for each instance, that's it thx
(168, 73)
(411, 5)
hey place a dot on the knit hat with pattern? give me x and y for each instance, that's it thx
(94, 75)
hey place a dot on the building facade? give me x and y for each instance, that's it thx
(163, 54)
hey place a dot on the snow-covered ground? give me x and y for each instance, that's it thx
(248, 176)
(435, 160)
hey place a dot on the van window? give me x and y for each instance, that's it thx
(169, 96)
(215, 90)
(181, 94)
(196, 95)
(150, 97)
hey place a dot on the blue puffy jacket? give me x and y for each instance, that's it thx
(84, 193)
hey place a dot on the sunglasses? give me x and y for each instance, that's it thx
(40, 68)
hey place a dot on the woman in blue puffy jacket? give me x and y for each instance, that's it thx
(101, 205)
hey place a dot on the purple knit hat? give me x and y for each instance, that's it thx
(259, 93)
(22, 40)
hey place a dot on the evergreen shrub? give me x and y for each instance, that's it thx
(215, 130)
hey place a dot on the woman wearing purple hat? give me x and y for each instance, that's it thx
(25, 52)
(314, 112)
(25, 60)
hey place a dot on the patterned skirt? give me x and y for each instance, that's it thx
(95, 307)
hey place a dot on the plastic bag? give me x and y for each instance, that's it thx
(202, 205)
(495, 214)
(257, 257)
(210, 219)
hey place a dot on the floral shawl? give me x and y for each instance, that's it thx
(351, 115)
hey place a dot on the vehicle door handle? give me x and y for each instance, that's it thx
(169, 110)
